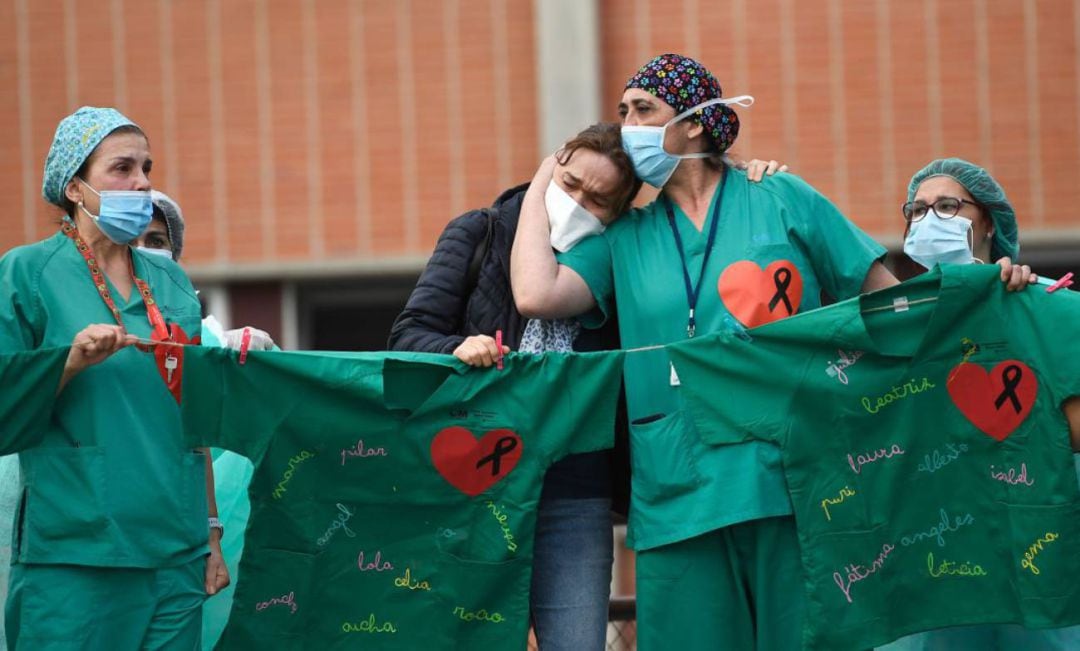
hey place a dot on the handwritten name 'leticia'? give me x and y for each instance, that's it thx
(910, 388)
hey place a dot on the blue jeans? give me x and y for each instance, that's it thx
(571, 578)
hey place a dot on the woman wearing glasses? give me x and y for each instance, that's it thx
(957, 213)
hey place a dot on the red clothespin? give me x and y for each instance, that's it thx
(498, 344)
(1063, 282)
(245, 343)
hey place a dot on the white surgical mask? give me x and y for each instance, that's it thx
(933, 240)
(165, 253)
(570, 222)
(645, 145)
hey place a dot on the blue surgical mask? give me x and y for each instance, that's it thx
(933, 240)
(123, 215)
(164, 253)
(645, 145)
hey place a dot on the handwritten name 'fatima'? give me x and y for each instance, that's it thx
(287, 477)
(407, 582)
(856, 573)
(910, 388)
(283, 600)
(846, 359)
(937, 532)
(500, 517)
(858, 461)
(338, 523)
(1033, 551)
(360, 451)
(1012, 477)
(369, 625)
(845, 493)
(935, 461)
(951, 568)
(478, 616)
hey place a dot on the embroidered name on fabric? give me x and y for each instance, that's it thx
(500, 517)
(861, 460)
(287, 477)
(1012, 477)
(375, 565)
(935, 461)
(950, 568)
(910, 388)
(938, 532)
(478, 616)
(369, 625)
(283, 600)
(847, 359)
(845, 493)
(407, 582)
(359, 450)
(856, 573)
(338, 523)
(1033, 551)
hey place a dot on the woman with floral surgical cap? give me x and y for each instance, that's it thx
(113, 546)
(717, 557)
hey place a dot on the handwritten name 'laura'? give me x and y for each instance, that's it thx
(858, 461)
(909, 388)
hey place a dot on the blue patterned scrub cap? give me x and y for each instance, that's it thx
(77, 136)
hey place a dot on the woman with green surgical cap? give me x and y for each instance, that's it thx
(116, 541)
(956, 213)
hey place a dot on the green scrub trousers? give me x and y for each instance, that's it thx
(62, 607)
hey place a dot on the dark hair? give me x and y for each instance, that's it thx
(605, 138)
(67, 204)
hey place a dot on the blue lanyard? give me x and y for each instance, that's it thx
(694, 291)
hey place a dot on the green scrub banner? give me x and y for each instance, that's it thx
(925, 449)
(393, 502)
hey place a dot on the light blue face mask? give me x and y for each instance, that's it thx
(123, 215)
(933, 240)
(164, 253)
(645, 145)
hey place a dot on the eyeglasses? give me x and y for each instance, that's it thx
(945, 207)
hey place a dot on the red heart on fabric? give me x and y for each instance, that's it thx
(470, 465)
(996, 401)
(170, 359)
(757, 296)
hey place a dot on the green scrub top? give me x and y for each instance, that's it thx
(925, 449)
(394, 498)
(779, 234)
(111, 482)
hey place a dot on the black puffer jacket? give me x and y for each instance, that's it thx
(441, 313)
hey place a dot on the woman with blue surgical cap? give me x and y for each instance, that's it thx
(956, 213)
(116, 538)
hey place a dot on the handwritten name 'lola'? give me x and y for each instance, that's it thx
(369, 625)
(283, 600)
(951, 568)
(845, 493)
(360, 451)
(1033, 551)
(937, 532)
(856, 573)
(846, 359)
(858, 461)
(377, 564)
(910, 388)
(287, 477)
(1012, 477)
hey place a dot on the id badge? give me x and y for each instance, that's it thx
(674, 376)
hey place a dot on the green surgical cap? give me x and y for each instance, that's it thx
(76, 137)
(986, 191)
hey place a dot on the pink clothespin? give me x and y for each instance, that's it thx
(498, 344)
(245, 343)
(1064, 281)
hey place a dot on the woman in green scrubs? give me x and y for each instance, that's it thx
(113, 546)
(717, 557)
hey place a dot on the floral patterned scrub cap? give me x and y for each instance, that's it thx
(76, 137)
(684, 83)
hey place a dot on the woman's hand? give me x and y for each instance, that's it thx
(1016, 276)
(93, 345)
(759, 169)
(217, 574)
(479, 350)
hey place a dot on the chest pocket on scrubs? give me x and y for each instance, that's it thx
(662, 458)
(766, 286)
(65, 494)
